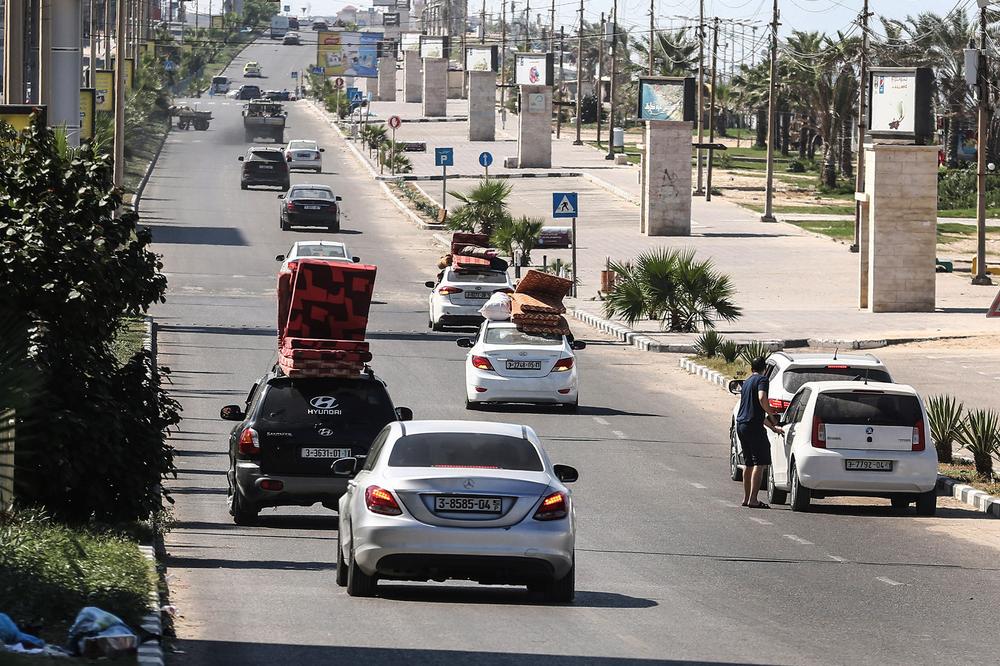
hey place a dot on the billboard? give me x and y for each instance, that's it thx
(88, 115)
(390, 19)
(218, 22)
(104, 90)
(900, 105)
(410, 41)
(666, 98)
(18, 116)
(481, 59)
(533, 69)
(433, 47)
(348, 53)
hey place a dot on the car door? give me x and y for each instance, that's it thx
(781, 445)
(352, 497)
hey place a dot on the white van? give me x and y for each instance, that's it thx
(279, 26)
(220, 85)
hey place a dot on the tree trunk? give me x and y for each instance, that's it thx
(803, 138)
(785, 133)
(984, 465)
(829, 166)
(761, 128)
(846, 153)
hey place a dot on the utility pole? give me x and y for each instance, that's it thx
(552, 27)
(527, 25)
(503, 52)
(465, 63)
(600, 82)
(982, 277)
(579, 78)
(92, 44)
(107, 34)
(119, 162)
(652, 35)
(859, 183)
(711, 113)
(482, 24)
(611, 115)
(562, 43)
(44, 93)
(701, 95)
(772, 117)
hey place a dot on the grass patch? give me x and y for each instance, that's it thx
(49, 571)
(736, 369)
(991, 213)
(129, 340)
(422, 204)
(967, 474)
(838, 229)
(824, 209)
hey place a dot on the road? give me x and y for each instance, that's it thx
(670, 568)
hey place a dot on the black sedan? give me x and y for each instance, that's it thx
(247, 92)
(264, 166)
(310, 206)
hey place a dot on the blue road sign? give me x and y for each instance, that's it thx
(444, 157)
(317, 70)
(485, 159)
(564, 205)
(295, 75)
(351, 93)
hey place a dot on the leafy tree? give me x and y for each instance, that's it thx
(483, 209)
(517, 236)
(256, 12)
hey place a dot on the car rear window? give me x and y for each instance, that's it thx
(794, 378)
(350, 404)
(301, 145)
(335, 251)
(512, 336)
(464, 449)
(477, 277)
(308, 193)
(868, 408)
(267, 155)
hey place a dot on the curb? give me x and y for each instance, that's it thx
(982, 502)
(619, 192)
(709, 375)
(497, 176)
(141, 187)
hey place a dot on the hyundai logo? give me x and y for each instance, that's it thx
(324, 402)
(869, 430)
(325, 432)
(468, 484)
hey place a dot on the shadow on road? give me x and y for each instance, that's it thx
(196, 235)
(503, 596)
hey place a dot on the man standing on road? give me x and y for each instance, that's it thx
(755, 413)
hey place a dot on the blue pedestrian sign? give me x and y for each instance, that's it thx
(485, 159)
(317, 70)
(357, 96)
(564, 205)
(444, 157)
(353, 93)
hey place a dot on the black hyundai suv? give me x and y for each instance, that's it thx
(290, 432)
(265, 166)
(248, 91)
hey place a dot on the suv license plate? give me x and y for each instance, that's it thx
(468, 504)
(266, 167)
(868, 465)
(524, 365)
(326, 453)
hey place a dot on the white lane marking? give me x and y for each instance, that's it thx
(798, 539)
(837, 558)
(888, 581)
(698, 485)
(618, 433)
(723, 502)
(600, 420)
(760, 520)
(669, 469)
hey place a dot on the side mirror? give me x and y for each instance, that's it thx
(344, 466)
(465, 343)
(240, 158)
(565, 473)
(279, 257)
(404, 414)
(337, 198)
(322, 150)
(578, 345)
(231, 413)
(429, 284)
(736, 386)
(356, 260)
(281, 196)
(288, 159)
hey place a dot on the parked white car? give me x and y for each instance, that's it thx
(854, 438)
(316, 249)
(304, 154)
(457, 298)
(505, 365)
(788, 371)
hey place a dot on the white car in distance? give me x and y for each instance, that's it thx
(305, 155)
(458, 296)
(505, 365)
(316, 249)
(854, 438)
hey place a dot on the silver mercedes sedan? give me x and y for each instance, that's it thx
(438, 500)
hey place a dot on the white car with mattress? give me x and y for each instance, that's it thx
(455, 300)
(316, 249)
(304, 154)
(505, 365)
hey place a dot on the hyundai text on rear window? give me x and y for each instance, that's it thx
(461, 449)
(360, 407)
(794, 378)
(868, 408)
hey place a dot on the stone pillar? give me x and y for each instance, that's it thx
(901, 184)
(534, 131)
(482, 106)
(435, 92)
(387, 79)
(666, 178)
(412, 81)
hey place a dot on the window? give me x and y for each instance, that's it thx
(794, 378)
(464, 449)
(356, 408)
(868, 408)
(311, 193)
(376, 449)
(490, 277)
(301, 145)
(332, 251)
(504, 335)
(266, 156)
(798, 406)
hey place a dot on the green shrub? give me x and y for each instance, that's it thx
(729, 350)
(946, 417)
(753, 350)
(980, 434)
(796, 166)
(708, 343)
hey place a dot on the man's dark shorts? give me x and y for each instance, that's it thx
(753, 439)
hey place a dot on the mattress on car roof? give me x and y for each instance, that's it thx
(325, 300)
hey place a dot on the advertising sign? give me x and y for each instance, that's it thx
(387, 48)
(18, 116)
(433, 47)
(410, 41)
(533, 69)
(383, 3)
(129, 74)
(217, 22)
(481, 59)
(390, 19)
(88, 114)
(348, 53)
(901, 103)
(666, 98)
(104, 90)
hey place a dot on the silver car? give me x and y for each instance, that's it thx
(467, 500)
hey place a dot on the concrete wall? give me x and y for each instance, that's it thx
(666, 179)
(534, 132)
(901, 183)
(435, 92)
(456, 84)
(482, 106)
(387, 79)
(412, 78)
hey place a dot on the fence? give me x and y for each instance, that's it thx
(6, 459)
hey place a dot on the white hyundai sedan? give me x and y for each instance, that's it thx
(505, 365)
(304, 154)
(438, 500)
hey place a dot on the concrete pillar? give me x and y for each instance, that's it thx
(456, 84)
(435, 92)
(482, 106)
(901, 182)
(666, 178)
(13, 53)
(412, 81)
(387, 79)
(534, 131)
(65, 28)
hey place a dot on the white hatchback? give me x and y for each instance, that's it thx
(305, 155)
(505, 365)
(458, 296)
(854, 438)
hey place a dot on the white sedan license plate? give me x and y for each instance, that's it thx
(524, 365)
(468, 504)
(477, 295)
(868, 465)
(326, 453)
(311, 207)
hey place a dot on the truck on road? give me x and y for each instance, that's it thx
(279, 26)
(264, 119)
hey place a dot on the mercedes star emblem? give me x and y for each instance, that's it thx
(469, 483)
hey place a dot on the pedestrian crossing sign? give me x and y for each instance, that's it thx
(994, 310)
(564, 205)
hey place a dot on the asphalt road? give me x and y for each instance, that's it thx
(670, 568)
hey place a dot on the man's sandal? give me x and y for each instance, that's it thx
(758, 505)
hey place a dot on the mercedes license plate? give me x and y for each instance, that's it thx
(868, 465)
(468, 504)
(477, 294)
(266, 167)
(303, 156)
(311, 207)
(326, 453)
(524, 365)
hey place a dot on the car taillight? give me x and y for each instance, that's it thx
(837, 367)
(249, 444)
(315, 156)
(380, 500)
(481, 363)
(562, 365)
(289, 206)
(448, 291)
(553, 507)
(918, 436)
(819, 434)
(779, 405)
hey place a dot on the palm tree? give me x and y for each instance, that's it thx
(517, 237)
(483, 209)
(674, 53)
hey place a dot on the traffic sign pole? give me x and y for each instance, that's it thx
(444, 191)
(392, 153)
(575, 273)
(566, 205)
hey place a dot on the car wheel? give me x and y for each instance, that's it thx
(927, 503)
(774, 494)
(900, 501)
(800, 494)
(341, 565)
(360, 584)
(334, 228)
(243, 513)
(244, 186)
(572, 407)
(562, 590)
(735, 473)
(282, 224)
(437, 326)
(472, 406)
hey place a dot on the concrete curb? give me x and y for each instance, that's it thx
(709, 375)
(619, 192)
(497, 176)
(141, 187)
(966, 494)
